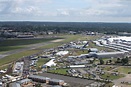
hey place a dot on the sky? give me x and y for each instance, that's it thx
(66, 10)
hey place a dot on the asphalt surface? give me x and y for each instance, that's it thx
(29, 47)
(74, 82)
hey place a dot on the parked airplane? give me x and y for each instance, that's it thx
(80, 46)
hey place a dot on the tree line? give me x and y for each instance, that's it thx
(108, 28)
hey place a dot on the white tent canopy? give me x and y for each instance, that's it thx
(62, 53)
(50, 63)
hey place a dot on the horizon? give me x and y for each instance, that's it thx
(65, 21)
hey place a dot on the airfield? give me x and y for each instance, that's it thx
(38, 56)
(25, 49)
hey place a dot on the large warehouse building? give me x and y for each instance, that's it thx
(107, 54)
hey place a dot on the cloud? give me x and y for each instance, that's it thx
(21, 6)
(119, 8)
(103, 8)
(6, 6)
(27, 11)
(66, 9)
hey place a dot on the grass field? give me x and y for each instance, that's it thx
(67, 38)
(17, 56)
(123, 69)
(79, 52)
(41, 62)
(108, 68)
(92, 45)
(7, 45)
(108, 85)
(89, 37)
(17, 42)
(8, 48)
(111, 77)
(59, 71)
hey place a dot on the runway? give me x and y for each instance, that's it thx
(28, 47)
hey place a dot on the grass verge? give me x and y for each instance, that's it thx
(59, 71)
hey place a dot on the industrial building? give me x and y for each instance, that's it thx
(46, 80)
(22, 83)
(15, 84)
(77, 66)
(25, 36)
(56, 82)
(93, 50)
(107, 54)
(119, 43)
(39, 78)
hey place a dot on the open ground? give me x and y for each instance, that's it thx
(14, 55)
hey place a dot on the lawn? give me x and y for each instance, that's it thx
(92, 45)
(108, 85)
(41, 62)
(67, 38)
(124, 69)
(4, 67)
(79, 52)
(108, 68)
(14, 57)
(111, 76)
(59, 71)
(51, 45)
(7, 48)
(93, 37)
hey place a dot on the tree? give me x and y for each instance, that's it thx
(101, 61)
(118, 60)
(110, 61)
(125, 61)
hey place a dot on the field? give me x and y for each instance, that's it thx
(41, 62)
(7, 45)
(14, 57)
(17, 56)
(59, 71)
(109, 85)
(17, 42)
(124, 70)
(111, 76)
(92, 45)
(108, 68)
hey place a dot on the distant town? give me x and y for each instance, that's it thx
(64, 58)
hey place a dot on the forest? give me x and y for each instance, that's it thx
(109, 28)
